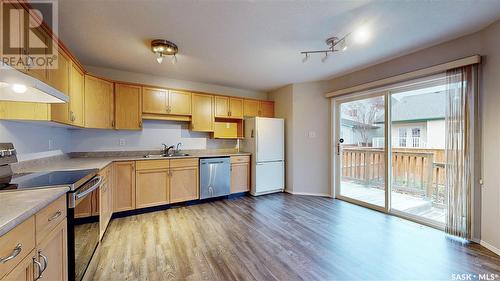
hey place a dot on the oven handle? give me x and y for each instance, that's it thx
(89, 190)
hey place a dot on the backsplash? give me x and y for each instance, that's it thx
(37, 140)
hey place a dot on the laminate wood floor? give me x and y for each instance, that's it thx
(283, 237)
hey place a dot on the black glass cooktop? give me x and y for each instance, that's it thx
(71, 178)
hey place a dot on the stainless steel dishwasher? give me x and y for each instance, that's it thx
(215, 177)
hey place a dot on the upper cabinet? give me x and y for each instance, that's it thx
(202, 119)
(266, 109)
(72, 112)
(226, 107)
(154, 101)
(99, 103)
(166, 104)
(179, 102)
(59, 76)
(250, 108)
(128, 107)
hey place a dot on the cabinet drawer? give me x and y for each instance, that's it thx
(152, 164)
(184, 162)
(49, 217)
(240, 159)
(17, 243)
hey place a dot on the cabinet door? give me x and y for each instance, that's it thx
(266, 109)
(127, 107)
(240, 177)
(225, 130)
(184, 184)
(250, 108)
(38, 38)
(54, 248)
(124, 186)
(154, 100)
(24, 271)
(76, 92)
(98, 103)
(202, 119)
(179, 103)
(151, 188)
(104, 194)
(13, 110)
(235, 108)
(221, 106)
(58, 77)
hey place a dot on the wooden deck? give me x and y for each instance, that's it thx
(283, 237)
(401, 202)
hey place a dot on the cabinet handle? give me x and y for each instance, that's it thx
(56, 215)
(15, 252)
(260, 113)
(229, 113)
(45, 261)
(39, 265)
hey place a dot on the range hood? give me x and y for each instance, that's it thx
(17, 86)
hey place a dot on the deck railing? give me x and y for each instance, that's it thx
(414, 171)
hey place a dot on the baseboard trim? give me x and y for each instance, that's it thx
(490, 247)
(309, 193)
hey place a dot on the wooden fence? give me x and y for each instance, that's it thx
(414, 171)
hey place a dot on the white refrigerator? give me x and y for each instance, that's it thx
(265, 139)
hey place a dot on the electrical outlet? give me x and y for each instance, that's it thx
(122, 142)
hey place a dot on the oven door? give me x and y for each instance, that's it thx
(83, 227)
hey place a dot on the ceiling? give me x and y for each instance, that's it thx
(256, 44)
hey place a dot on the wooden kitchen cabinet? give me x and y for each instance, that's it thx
(152, 183)
(250, 108)
(24, 271)
(202, 119)
(184, 180)
(266, 109)
(128, 113)
(99, 103)
(152, 188)
(179, 102)
(59, 77)
(124, 186)
(83, 208)
(240, 174)
(42, 237)
(13, 110)
(226, 107)
(71, 112)
(106, 198)
(54, 248)
(154, 100)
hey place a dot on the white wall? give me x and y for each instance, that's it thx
(153, 134)
(162, 81)
(35, 140)
(436, 132)
(307, 138)
(283, 98)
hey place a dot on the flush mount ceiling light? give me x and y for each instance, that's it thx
(164, 48)
(360, 36)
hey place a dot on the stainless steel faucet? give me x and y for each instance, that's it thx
(177, 150)
(166, 149)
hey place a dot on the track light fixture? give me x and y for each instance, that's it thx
(334, 45)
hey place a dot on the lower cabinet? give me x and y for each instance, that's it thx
(240, 174)
(184, 184)
(160, 182)
(124, 186)
(53, 249)
(106, 198)
(45, 260)
(151, 187)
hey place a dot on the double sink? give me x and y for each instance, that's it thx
(165, 156)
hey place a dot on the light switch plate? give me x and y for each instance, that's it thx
(311, 134)
(122, 142)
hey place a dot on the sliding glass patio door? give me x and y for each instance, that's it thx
(361, 150)
(404, 124)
